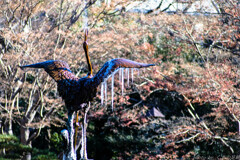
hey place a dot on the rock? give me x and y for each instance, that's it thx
(155, 113)
(166, 104)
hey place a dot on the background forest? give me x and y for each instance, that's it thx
(187, 106)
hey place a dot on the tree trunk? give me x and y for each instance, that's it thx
(24, 134)
(9, 129)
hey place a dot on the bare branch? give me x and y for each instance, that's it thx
(188, 139)
(193, 40)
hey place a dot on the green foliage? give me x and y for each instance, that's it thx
(56, 142)
(190, 56)
(169, 49)
(43, 155)
(13, 148)
(7, 138)
(162, 48)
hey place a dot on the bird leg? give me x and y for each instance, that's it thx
(76, 131)
(83, 151)
(70, 152)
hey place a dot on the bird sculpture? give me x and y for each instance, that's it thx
(78, 92)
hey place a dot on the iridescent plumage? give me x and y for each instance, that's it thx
(76, 92)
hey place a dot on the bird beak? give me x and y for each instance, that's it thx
(85, 35)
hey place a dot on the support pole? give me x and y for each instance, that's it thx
(70, 153)
(84, 125)
(76, 130)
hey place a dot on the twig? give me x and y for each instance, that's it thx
(60, 13)
(141, 101)
(193, 40)
(4, 108)
(149, 80)
(34, 135)
(224, 142)
(58, 39)
(195, 115)
(30, 99)
(97, 17)
(232, 114)
(188, 139)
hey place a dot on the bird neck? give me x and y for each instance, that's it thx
(85, 46)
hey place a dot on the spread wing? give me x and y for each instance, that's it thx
(114, 64)
(58, 70)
